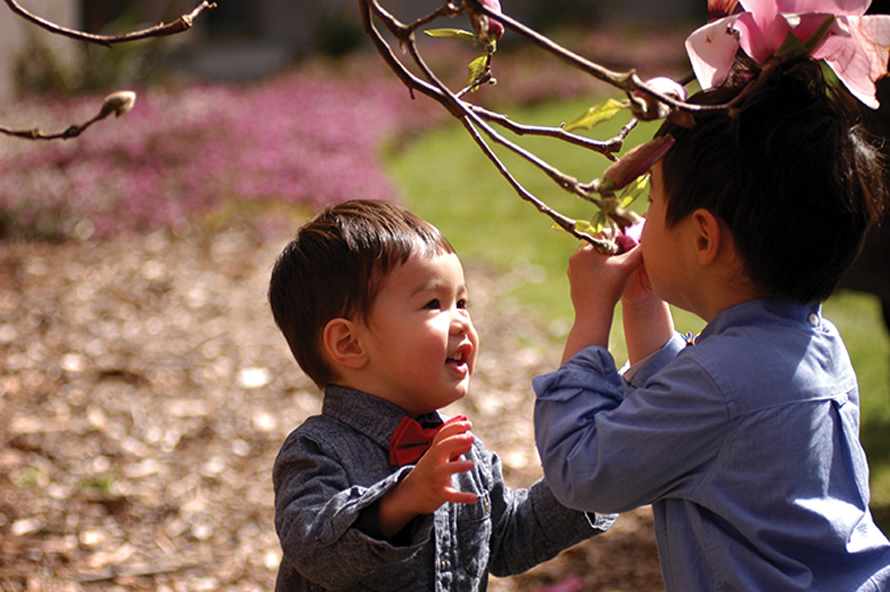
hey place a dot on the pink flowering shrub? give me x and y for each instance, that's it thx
(200, 154)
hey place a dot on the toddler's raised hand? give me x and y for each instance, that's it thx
(429, 485)
(435, 468)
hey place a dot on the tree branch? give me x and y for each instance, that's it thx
(117, 103)
(181, 24)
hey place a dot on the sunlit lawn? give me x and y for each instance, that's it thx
(447, 180)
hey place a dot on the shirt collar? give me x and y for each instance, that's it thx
(372, 416)
(770, 310)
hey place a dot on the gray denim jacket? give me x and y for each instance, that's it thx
(336, 465)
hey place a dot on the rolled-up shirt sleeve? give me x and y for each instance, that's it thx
(607, 445)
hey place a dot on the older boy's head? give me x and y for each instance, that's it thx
(788, 171)
(335, 267)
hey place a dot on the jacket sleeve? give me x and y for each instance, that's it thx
(316, 509)
(530, 526)
(607, 446)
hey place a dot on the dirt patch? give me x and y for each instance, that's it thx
(144, 393)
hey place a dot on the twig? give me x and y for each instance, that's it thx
(181, 24)
(562, 221)
(117, 103)
(605, 146)
(628, 81)
(477, 119)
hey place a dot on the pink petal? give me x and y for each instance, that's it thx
(860, 59)
(711, 51)
(630, 237)
(835, 7)
(763, 11)
(760, 43)
(804, 25)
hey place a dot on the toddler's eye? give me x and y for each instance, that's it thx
(462, 303)
(433, 304)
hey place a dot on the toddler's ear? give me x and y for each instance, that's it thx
(342, 344)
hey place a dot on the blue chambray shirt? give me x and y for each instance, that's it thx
(746, 445)
(335, 465)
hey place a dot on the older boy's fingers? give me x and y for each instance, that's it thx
(632, 258)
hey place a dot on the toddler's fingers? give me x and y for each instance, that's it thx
(460, 497)
(448, 469)
(453, 428)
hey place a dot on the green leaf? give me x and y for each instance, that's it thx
(816, 39)
(595, 227)
(792, 47)
(451, 34)
(634, 190)
(596, 115)
(476, 68)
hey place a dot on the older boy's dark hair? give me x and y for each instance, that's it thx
(790, 172)
(334, 268)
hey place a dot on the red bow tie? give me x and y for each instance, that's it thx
(411, 440)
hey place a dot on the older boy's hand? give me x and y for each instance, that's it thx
(597, 283)
(429, 485)
(648, 324)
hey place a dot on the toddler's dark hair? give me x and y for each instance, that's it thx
(789, 170)
(335, 266)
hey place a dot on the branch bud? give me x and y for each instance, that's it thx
(637, 161)
(629, 237)
(655, 109)
(118, 103)
(488, 30)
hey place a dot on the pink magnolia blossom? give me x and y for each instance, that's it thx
(856, 46)
(630, 237)
(487, 29)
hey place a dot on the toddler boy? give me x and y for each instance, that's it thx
(373, 304)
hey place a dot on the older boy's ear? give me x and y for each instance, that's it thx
(707, 236)
(342, 344)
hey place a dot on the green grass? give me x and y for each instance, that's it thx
(448, 181)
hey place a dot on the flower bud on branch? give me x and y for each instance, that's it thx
(636, 162)
(652, 108)
(118, 103)
(488, 30)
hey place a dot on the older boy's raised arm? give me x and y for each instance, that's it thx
(597, 282)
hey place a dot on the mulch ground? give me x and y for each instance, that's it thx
(144, 393)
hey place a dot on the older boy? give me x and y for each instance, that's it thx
(373, 303)
(746, 444)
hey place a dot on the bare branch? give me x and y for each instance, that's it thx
(564, 222)
(117, 103)
(181, 24)
(478, 121)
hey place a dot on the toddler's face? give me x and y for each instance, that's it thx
(421, 342)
